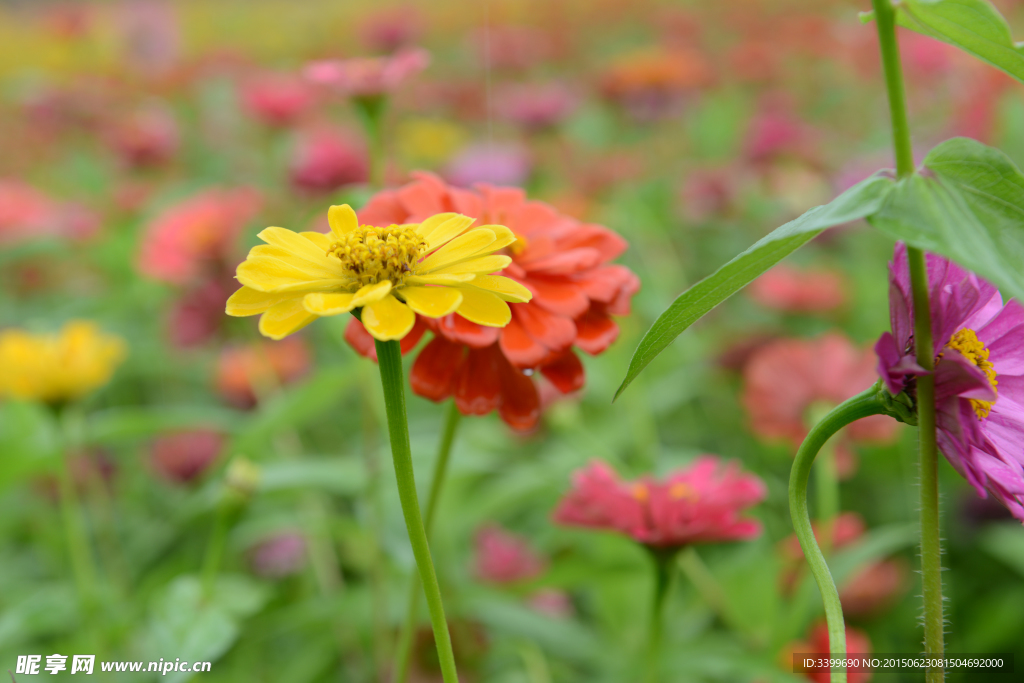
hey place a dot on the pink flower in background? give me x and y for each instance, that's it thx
(776, 131)
(786, 379)
(145, 138)
(184, 238)
(368, 76)
(709, 193)
(278, 556)
(182, 458)
(535, 106)
(197, 315)
(702, 503)
(245, 372)
(510, 47)
(276, 99)
(785, 288)
(325, 159)
(150, 35)
(552, 602)
(492, 163)
(978, 346)
(27, 213)
(389, 29)
(503, 557)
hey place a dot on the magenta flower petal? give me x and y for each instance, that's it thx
(956, 375)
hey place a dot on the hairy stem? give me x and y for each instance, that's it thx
(861, 405)
(389, 358)
(444, 449)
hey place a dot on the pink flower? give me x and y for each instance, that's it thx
(278, 556)
(27, 213)
(786, 379)
(510, 47)
(201, 229)
(145, 138)
(503, 557)
(492, 163)
(390, 29)
(857, 643)
(182, 458)
(276, 99)
(700, 504)
(978, 346)
(776, 131)
(535, 105)
(368, 76)
(325, 159)
(552, 602)
(198, 313)
(785, 288)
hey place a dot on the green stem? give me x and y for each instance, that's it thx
(861, 405)
(389, 358)
(82, 565)
(663, 562)
(444, 449)
(827, 485)
(371, 112)
(215, 549)
(931, 545)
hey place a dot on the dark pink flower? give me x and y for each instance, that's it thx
(145, 138)
(785, 288)
(368, 76)
(503, 557)
(978, 346)
(325, 159)
(201, 229)
(703, 503)
(535, 105)
(276, 99)
(183, 457)
(278, 556)
(390, 29)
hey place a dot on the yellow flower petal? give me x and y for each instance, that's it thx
(504, 236)
(479, 264)
(321, 240)
(343, 220)
(322, 269)
(296, 244)
(248, 301)
(328, 303)
(388, 319)
(458, 249)
(434, 279)
(483, 308)
(269, 274)
(428, 226)
(371, 293)
(448, 230)
(433, 302)
(503, 287)
(285, 318)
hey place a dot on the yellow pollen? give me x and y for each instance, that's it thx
(966, 342)
(640, 493)
(680, 490)
(372, 254)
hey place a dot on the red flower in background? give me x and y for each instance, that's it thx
(786, 379)
(182, 458)
(700, 504)
(857, 643)
(565, 264)
(27, 213)
(146, 138)
(785, 288)
(325, 159)
(200, 230)
(245, 372)
(503, 557)
(276, 99)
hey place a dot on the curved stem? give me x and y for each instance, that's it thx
(444, 449)
(389, 358)
(861, 405)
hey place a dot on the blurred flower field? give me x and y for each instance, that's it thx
(176, 485)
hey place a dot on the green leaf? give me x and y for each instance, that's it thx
(859, 201)
(974, 26)
(1005, 542)
(342, 477)
(967, 204)
(29, 441)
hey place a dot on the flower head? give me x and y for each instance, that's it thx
(147, 137)
(785, 288)
(651, 84)
(368, 76)
(324, 159)
(563, 262)
(194, 233)
(58, 367)
(436, 267)
(279, 555)
(500, 164)
(27, 213)
(245, 373)
(183, 457)
(978, 346)
(536, 106)
(857, 643)
(503, 557)
(700, 504)
(276, 99)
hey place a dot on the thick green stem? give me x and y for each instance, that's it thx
(861, 405)
(931, 545)
(664, 560)
(444, 449)
(389, 358)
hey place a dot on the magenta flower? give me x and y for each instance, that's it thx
(368, 76)
(700, 504)
(978, 345)
(503, 557)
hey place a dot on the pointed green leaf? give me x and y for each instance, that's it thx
(967, 204)
(859, 201)
(974, 26)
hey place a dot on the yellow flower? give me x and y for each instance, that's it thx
(57, 367)
(433, 268)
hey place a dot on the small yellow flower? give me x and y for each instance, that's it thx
(433, 268)
(57, 367)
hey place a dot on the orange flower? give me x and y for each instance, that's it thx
(244, 372)
(566, 265)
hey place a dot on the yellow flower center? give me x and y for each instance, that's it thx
(372, 254)
(680, 490)
(966, 342)
(641, 493)
(519, 246)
